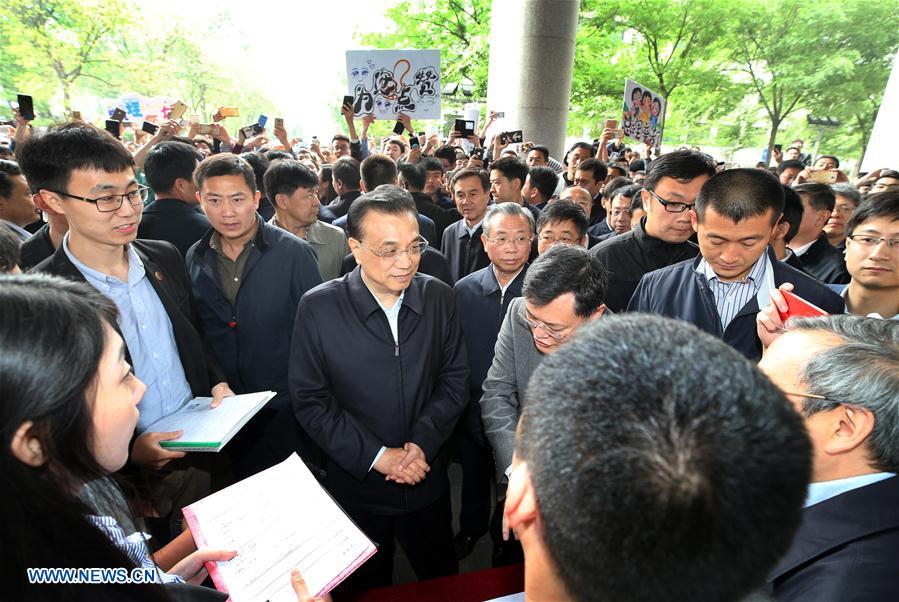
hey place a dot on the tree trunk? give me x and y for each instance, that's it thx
(67, 97)
(772, 136)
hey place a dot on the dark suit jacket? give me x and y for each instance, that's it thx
(432, 263)
(846, 549)
(825, 262)
(165, 271)
(600, 228)
(36, 249)
(678, 291)
(463, 253)
(341, 204)
(441, 217)
(173, 221)
(354, 389)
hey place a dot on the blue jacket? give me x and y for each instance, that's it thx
(678, 291)
(251, 339)
(481, 308)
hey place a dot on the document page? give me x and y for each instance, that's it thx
(207, 429)
(277, 520)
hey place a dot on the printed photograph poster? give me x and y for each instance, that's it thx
(643, 116)
(387, 82)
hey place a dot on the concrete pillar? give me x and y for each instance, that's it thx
(531, 62)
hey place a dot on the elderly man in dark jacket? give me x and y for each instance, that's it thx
(378, 379)
(247, 278)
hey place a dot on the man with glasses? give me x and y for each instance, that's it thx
(561, 223)
(87, 176)
(483, 298)
(722, 289)
(662, 236)
(378, 377)
(247, 278)
(564, 289)
(842, 375)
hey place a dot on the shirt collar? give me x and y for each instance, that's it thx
(876, 315)
(755, 273)
(503, 289)
(800, 251)
(136, 270)
(472, 230)
(18, 229)
(215, 239)
(819, 492)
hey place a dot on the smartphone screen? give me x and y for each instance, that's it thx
(262, 120)
(26, 107)
(399, 128)
(118, 114)
(279, 122)
(114, 127)
(150, 128)
(413, 142)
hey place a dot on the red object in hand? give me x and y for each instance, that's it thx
(798, 307)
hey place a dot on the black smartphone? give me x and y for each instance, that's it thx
(459, 125)
(150, 128)
(477, 153)
(413, 142)
(515, 136)
(257, 128)
(347, 101)
(399, 128)
(118, 114)
(778, 147)
(26, 107)
(114, 127)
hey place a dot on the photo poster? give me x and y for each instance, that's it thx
(643, 116)
(388, 82)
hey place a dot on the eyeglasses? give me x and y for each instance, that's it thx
(535, 324)
(845, 209)
(518, 241)
(112, 202)
(671, 206)
(549, 239)
(813, 396)
(414, 250)
(620, 212)
(872, 241)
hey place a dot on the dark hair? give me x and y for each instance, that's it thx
(170, 161)
(259, 164)
(512, 168)
(792, 212)
(820, 196)
(391, 200)
(398, 142)
(10, 249)
(274, 155)
(432, 164)
(560, 211)
(542, 150)
(577, 145)
(346, 170)
(847, 191)
(285, 176)
(48, 160)
(377, 170)
(567, 269)
(225, 164)
(597, 167)
(544, 179)
(608, 191)
(414, 175)
(682, 165)
(738, 194)
(628, 191)
(888, 173)
(52, 337)
(788, 163)
(877, 204)
(446, 152)
(343, 137)
(679, 484)
(480, 174)
(325, 180)
(7, 169)
(835, 160)
(618, 168)
(636, 201)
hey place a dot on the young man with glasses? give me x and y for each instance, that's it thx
(247, 278)
(722, 289)
(378, 377)
(87, 176)
(662, 236)
(483, 298)
(564, 289)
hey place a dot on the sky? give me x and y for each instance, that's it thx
(296, 47)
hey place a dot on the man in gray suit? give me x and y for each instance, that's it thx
(564, 289)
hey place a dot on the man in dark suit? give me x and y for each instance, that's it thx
(345, 178)
(722, 289)
(378, 379)
(842, 375)
(462, 245)
(70, 169)
(483, 298)
(175, 215)
(413, 178)
(811, 245)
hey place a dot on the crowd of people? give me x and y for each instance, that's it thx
(602, 341)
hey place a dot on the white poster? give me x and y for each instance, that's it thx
(387, 82)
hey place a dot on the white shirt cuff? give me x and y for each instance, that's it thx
(378, 457)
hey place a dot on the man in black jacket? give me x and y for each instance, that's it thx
(247, 278)
(811, 245)
(174, 215)
(461, 243)
(345, 178)
(722, 290)
(842, 375)
(413, 177)
(662, 237)
(378, 379)
(88, 176)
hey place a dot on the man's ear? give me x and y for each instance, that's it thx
(599, 311)
(26, 446)
(694, 221)
(362, 186)
(850, 428)
(256, 198)
(49, 200)
(280, 201)
(780, 229)
(356, 249)
(521, 502)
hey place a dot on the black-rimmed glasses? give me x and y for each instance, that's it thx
(112, 202)
(672, 206)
